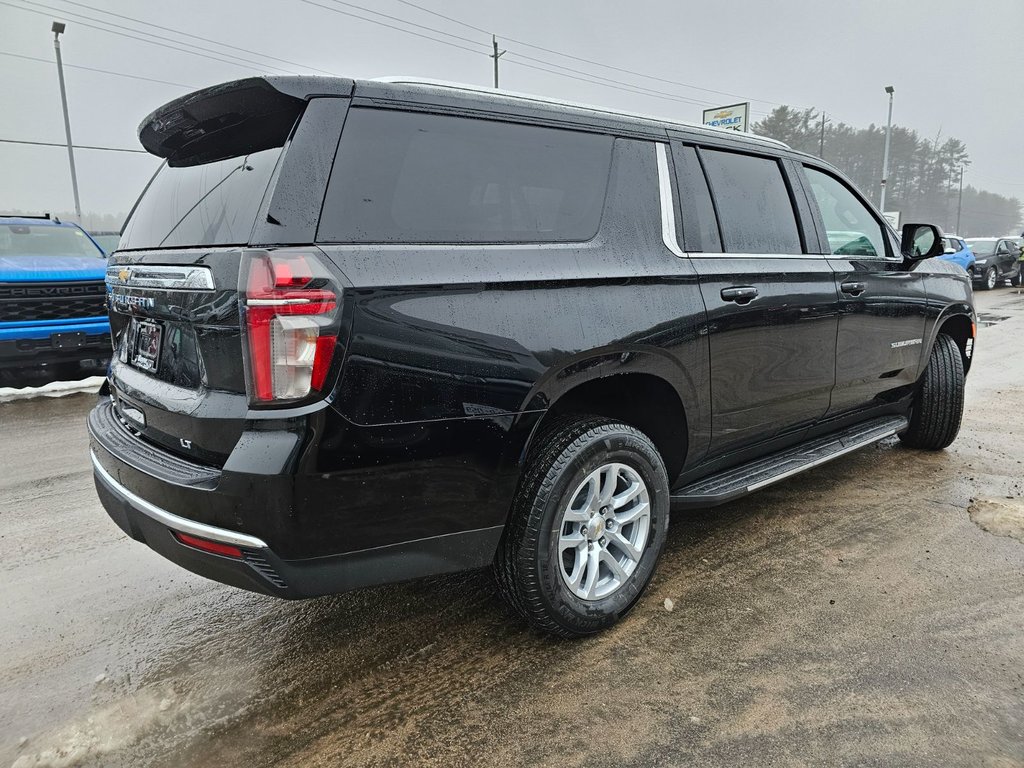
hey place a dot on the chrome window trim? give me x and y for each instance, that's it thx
(165, 277)
(174, 522)
(668, 211)
(539, 245)
(704, 255)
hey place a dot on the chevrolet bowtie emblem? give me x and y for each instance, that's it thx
(123, 275)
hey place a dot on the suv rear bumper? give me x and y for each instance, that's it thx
(130, 480)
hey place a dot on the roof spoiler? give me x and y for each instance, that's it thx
(232, 119)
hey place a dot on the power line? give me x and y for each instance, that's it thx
(229, 56)
(76, 146)
(391, 26)
(60, 12)
(593, 75)
(634, 90)
(586, 61)
(587, 77)
(197, 37)
(410, 23)
(94, 69)
(448, 18)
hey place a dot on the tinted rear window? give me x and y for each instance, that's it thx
(404, 177)
(211, 204)
(753, 203)
(700, 227)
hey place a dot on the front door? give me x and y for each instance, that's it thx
(883, 303)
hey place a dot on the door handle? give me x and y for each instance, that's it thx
(741, 294)
(854, 289)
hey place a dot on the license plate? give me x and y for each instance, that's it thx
(72, 340)
(143, 346)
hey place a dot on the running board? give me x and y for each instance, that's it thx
(739, 481)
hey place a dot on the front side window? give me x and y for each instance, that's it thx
(403, 177)
(852, 229)
(754, 208)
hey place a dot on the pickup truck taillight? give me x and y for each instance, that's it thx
(290, 314)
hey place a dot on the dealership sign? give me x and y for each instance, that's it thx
(735, 117)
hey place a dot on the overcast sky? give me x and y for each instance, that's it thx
(958, 68)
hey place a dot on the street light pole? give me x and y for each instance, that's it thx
(57, 28)
(960, 200)
(885, 157)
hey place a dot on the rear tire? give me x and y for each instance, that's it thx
(939, 401)
(1015, 280)
(567, 528)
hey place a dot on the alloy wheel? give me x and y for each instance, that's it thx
(604, 530)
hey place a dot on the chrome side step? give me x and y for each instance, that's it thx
(738, 481)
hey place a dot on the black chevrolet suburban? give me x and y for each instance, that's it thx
(368, 331)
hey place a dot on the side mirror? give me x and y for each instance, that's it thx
(947, 250)
(921, 241)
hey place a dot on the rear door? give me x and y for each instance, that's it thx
(882, 302)
(771, 305)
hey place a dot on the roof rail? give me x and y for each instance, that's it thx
(469, 88)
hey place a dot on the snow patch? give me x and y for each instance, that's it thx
(105, 731)
(1002, 517)
(52, 389)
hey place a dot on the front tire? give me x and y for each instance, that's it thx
(939, 401)
(587, 526)
(989, 279)
(1015, 278)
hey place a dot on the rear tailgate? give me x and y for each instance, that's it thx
(179, 377)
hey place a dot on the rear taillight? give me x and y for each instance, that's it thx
(290, 311)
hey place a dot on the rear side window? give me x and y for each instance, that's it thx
(209, 204)
(754, 208)
(700, 227)
(403, 177)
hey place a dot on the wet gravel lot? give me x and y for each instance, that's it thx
(868, 612)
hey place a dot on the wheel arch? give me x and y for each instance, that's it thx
(961, 327)
(644, 400)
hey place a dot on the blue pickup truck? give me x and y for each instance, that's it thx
(53, 316)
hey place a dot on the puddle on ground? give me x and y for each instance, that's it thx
(1002, 517)
(987, 318)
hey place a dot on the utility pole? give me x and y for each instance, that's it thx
(885, 157)
(960, 201)
(821, 141)
(57, 28)
(496, 55)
